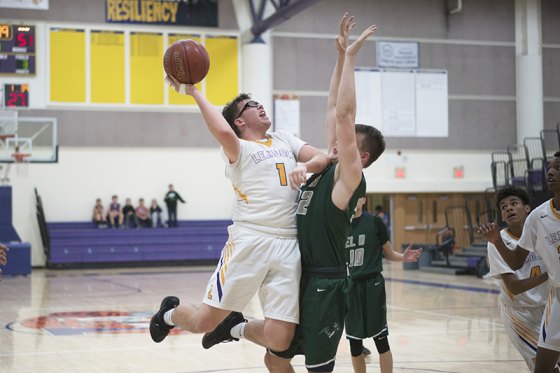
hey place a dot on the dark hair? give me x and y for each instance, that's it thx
(509, 191)
(372, 142)
(378, 208)
(557, 154)
(230, 111)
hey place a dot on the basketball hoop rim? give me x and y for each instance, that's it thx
(20, 157)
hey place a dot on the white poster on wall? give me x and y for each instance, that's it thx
(25, 4)
(368, 102)
(403, 103)
(286, 114)
(432, 109)
(399, 107)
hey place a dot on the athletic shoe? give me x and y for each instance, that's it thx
(366, 351)
(158, 328)
(222, 331)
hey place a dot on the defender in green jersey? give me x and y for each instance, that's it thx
(324, 214)
(367, 242)
(325, 281)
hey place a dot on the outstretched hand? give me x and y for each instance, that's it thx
(345, 26)
(355, 47)
(410, 254)
(490, 231)
(185, 89)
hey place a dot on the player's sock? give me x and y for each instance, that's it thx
(238, 331)
(167, 317)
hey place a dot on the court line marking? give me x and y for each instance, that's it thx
(445, 286)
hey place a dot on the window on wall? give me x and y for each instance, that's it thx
(94, 66)
(107, 61)
(146, 71)
(67, 65)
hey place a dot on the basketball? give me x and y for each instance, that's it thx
(187, 61)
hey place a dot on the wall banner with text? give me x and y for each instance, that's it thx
(397, 54)
(163, 12)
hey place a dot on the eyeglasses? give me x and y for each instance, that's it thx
(248, 104)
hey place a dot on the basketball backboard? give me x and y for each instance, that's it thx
(34, 136)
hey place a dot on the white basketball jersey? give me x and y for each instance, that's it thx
(261, 184)
(533, 266)
(541, 234)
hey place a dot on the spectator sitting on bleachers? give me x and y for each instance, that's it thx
(98, 215)
(143, 214)
(155, 214)
(114, 215)
(130, 218)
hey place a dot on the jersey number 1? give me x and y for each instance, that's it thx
(281, 167)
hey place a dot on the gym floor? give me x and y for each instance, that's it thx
(97, 321)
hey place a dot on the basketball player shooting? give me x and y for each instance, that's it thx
(261, 254)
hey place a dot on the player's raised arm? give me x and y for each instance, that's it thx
(346, 24)
(215, 121)
(349, 162)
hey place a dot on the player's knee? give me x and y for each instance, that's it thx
(275, 363)
(382, 344)
(356, 347)
(280, 342)
(279, 335)
(545, 366)
(546, 360)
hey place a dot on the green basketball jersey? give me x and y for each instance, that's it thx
(363, 246)
(323, 227)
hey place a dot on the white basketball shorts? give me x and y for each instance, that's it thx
(522, 325)
(258, 259)
(550, 325)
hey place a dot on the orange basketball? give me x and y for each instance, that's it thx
(187, 61)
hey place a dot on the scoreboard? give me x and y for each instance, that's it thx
(16, 95)
(17, 50)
